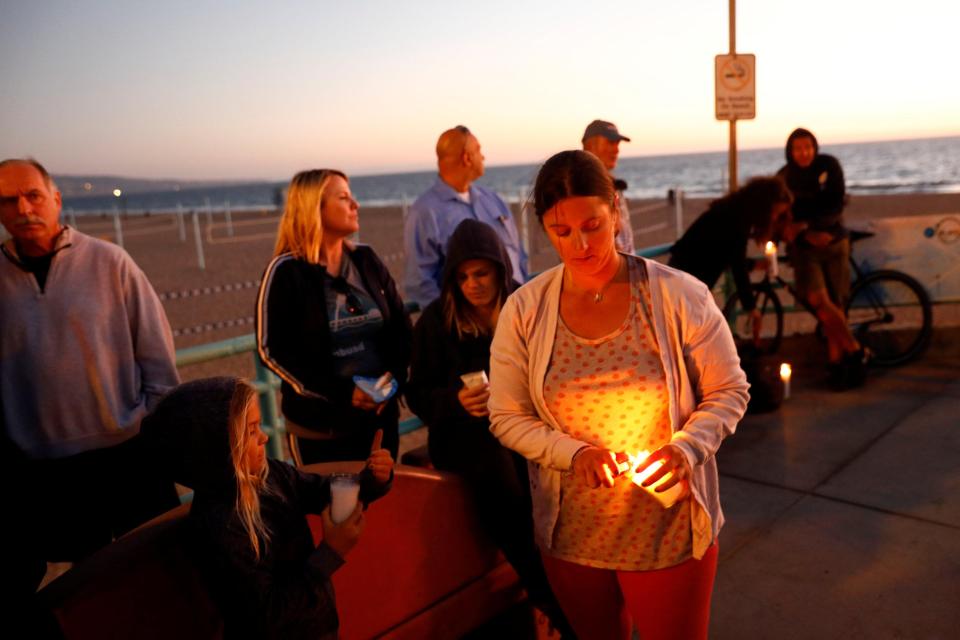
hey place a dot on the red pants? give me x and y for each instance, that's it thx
(601, 604)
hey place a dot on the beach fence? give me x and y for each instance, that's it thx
(116, 225)
(213, 223)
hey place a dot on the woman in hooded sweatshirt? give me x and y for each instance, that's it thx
(248, 531)
(452, 339)
(820, 251)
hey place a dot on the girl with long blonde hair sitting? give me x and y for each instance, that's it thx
(248, 530)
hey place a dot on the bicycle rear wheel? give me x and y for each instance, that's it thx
(771, 332)
(889, 313)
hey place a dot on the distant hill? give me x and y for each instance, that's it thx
(82, 186)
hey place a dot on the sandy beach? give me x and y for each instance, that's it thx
(218, 302)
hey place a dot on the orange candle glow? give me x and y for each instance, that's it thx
(786, 371)
(771, 253)
(665, 498)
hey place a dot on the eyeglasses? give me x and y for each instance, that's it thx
(353, 305)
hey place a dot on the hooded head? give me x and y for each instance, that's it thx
(800, 133)
(765, 203)
(191, 432)
(473, 240)
(199, 435)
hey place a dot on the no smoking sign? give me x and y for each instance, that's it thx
(736, 86)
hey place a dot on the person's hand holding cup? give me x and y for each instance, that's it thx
(342, 536)
(475, 393)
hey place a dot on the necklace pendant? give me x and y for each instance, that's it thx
(598, 297)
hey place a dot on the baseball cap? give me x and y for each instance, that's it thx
(603, 128)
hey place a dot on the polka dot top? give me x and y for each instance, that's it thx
(611, 392)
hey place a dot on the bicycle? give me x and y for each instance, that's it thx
(888, 312)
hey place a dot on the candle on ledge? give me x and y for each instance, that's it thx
(770, 250)
(785, 372)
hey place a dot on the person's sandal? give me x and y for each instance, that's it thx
(855, 368)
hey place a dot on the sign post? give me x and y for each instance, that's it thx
(735, 90)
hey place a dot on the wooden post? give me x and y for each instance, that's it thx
(733, 121)
(180, 226)
(199, 241)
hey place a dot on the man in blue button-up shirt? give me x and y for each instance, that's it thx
(451, 200)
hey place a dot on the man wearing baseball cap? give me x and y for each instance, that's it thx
(602, 139)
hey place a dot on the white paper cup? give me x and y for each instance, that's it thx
(475, 379)
(666, 498)
(344, 492)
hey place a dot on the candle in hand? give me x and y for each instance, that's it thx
(665, 498)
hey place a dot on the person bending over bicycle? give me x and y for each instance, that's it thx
(718, 239)
(819, 250)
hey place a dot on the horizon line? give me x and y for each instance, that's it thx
(235, 181)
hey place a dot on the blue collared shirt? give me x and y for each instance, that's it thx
(429, 225)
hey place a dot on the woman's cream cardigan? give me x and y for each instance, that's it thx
(707, 389)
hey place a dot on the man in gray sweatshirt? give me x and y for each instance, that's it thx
(85, 352)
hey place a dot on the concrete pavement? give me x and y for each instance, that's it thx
(843, 509)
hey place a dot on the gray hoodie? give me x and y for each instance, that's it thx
(82, 361)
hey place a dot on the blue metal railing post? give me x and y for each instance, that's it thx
(267, 384)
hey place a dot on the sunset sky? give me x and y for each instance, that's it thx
(237, 90)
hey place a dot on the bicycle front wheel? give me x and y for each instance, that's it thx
(889, 313)
(771, 331)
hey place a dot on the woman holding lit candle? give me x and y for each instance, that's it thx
(595, 361)
(718, 239)
(448, 390)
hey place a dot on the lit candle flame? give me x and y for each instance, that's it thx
(786, 371)
(666, 498)
(771, 253)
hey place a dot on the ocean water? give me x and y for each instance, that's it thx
(901, 166)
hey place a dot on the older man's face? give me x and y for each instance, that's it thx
(29, 209)
(606, 150)
(471, 150)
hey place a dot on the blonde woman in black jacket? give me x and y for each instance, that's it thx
(328, 310)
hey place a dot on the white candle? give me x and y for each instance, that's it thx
(475, 379)
(771, 252)
(665, 498)
(344, 491)
(785, 372)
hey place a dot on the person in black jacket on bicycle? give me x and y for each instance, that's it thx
(718, 239)
(328, 312)
(820, 250)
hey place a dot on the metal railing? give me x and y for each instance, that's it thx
(265, 382)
